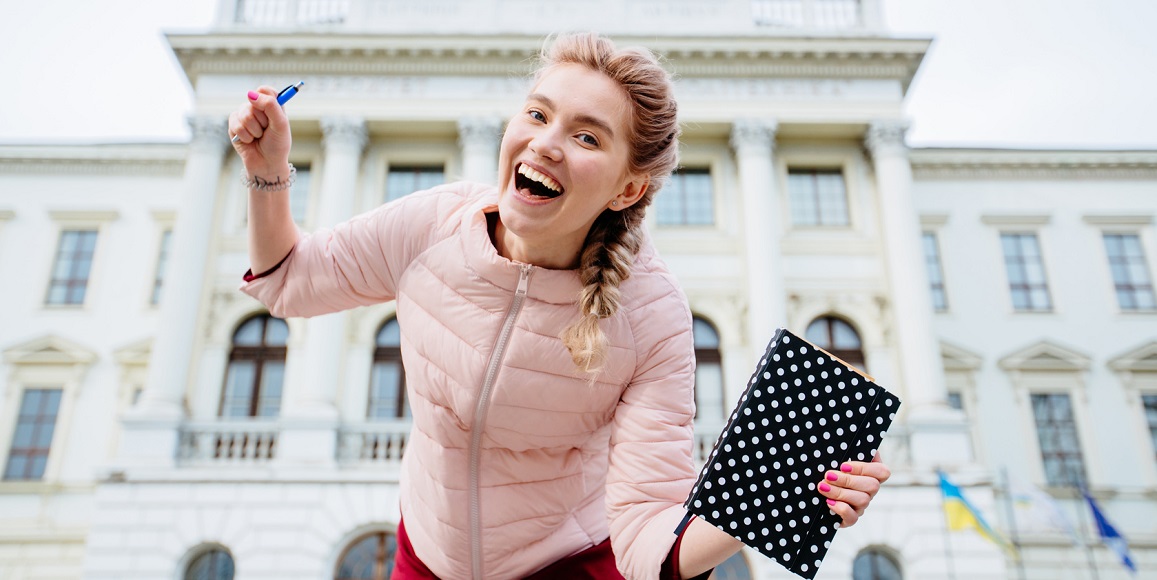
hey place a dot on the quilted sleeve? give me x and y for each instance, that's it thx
(651, 468)
(359, 262)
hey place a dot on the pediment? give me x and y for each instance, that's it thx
(136, 353)
(1045, 356)
(49, 350)
(955, 358)
(1143, 359)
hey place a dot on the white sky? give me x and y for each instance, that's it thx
(1013, 73)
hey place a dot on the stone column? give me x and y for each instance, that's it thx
(479, 138)
(754, 144)
(150, 436)
(310, 414)
(939, 433)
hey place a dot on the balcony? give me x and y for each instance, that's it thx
(370, 445)
(626, 17)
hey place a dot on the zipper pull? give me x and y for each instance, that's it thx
(523, 280)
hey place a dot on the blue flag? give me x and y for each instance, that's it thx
(1112, 538)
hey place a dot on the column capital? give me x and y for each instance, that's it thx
(344, 130)
(483, 131)
(754, 133)
(210, 133)
(887, 137)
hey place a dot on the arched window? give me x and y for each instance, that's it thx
(875, 564)
(370, 557)
(388, 379)
(256, 368)
(215, 564)
(734, 568)
(708, 372)
(839, 338)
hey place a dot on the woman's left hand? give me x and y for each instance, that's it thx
(851, 489)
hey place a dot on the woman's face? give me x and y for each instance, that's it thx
(563, 161)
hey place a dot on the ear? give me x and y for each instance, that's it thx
(632, 192)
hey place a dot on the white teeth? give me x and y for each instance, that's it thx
(531, 173)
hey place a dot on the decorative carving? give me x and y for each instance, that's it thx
(887, 138)
(210, 133)
(483, 131)
(344, 131)
(754, 135)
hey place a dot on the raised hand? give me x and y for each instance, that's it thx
(850, 489)
(261, 136)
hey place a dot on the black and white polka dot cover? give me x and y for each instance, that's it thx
(802, 413)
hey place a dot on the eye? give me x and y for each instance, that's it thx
(536, 115)
(589, 139)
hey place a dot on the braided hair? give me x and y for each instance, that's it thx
(616, 236)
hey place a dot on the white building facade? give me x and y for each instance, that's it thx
(156, 423)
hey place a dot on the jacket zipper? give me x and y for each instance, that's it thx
(479, 425)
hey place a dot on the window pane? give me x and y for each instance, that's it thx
(250, 333)
(238, 396)
(272, 377)
(704, 334)
(688, 199)
(32, 434)
(955, 401)
(71, 267)
(390, 334)
(1059, 441)
(299, 194)
(875, 565)
(212, 565)
(404, 180)
(162, 262)
(276, 332)
(387, 379)
(709, 392)
(818, 197)
(1028, 285)
(843, 335)
(734, 568)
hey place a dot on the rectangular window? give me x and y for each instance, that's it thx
(32, 438)
(299, 194)
(72, 266)
(818, 197)
(1130, 274)
(1150, 404)
(162, 261)
(406, 179)
(1026, 272)
(1057, 431)
(955, 401)
(688, 199)
(935, 272)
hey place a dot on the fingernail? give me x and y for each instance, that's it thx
(846, 468)
(831, 502)
(253, 96)
(832, 476)
(825, 488)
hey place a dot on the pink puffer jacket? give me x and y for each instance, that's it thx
(562, 462)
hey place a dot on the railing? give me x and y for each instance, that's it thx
(375, 443)
(503, 16)
(228, 443)
(808, 14)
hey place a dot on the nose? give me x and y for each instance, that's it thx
(547, 143)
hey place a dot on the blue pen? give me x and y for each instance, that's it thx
(282, 98)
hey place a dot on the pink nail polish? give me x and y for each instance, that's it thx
(832, 476)
(831, 502)
(846, 468)
(253, 96)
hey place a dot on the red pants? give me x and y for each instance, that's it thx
(597, 563)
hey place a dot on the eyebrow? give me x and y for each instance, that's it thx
(582, 118)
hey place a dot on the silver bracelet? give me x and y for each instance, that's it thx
(258, 184)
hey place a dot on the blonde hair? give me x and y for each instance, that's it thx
(616, 236)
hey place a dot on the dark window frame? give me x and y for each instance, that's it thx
(385, 554)
(390, 354)
(707, 353)
(852, 356)
(260, 354)
(1063, 467)
(199, 569)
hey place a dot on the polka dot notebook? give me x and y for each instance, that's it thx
(803, 413)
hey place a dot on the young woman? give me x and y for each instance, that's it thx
(548, 350)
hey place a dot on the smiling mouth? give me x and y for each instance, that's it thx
(535, 183)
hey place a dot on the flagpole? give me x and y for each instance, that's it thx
(1006, 490)
(1084, 529)
(947, 534)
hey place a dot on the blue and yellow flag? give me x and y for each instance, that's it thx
(961, 515)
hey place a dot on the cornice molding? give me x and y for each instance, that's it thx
(1033, 164)
(732, 56)
(1045, 356)
(157, 159)
(1015, 219)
